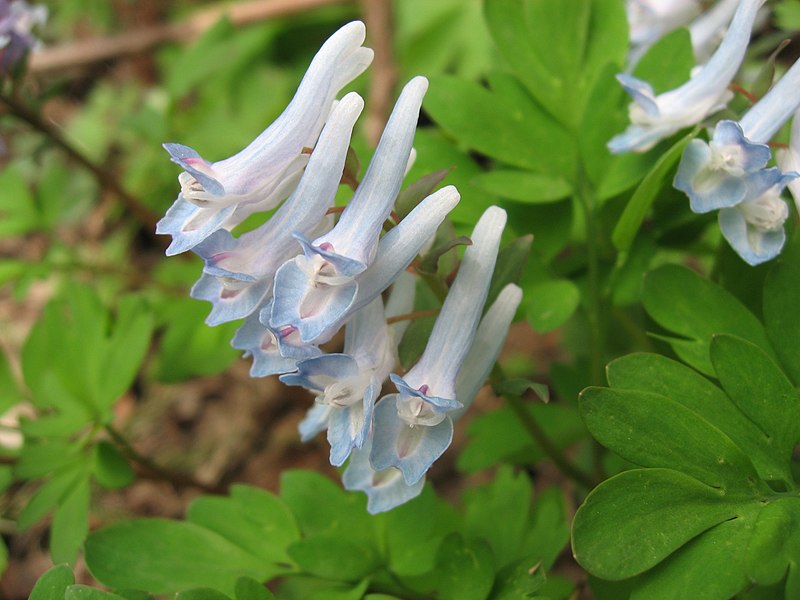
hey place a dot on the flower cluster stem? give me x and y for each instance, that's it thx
(553, 452)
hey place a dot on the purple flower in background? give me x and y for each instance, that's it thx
(17, 20)
(220, 195)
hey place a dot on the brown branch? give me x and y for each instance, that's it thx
(417, 314)
(378, 18)
(84, 53)
(104, 178)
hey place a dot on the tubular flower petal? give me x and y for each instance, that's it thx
(220, 195)
(654, 118)
(789, 160)
(239, 273)
(413, 428)
(316, 288)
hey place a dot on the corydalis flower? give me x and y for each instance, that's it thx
(654, 118)
(222, 194)
(316, 288)
(412, 428)
(721, 173)
(754, 227)
(388, 488)
(17, 20)
(789, 159)
(238, 273)
(347, 384)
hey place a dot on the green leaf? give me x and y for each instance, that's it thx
(780, 305)
(550, 304)
(760, 389)
(530, 35)
(111, 469)
(430, 262)
(497, 126)
(668, 63)
(189, 347)
(416, 191)
(18, 213)
(252, 519)
(84, 592)
(653, 431)
(9, 391)
(548, 531)
(524, 186)
(498, 436)
(70, 524)
(631, 522)
(641, 200)
(661, 375)
(775, 543)
(710, 565)
(465, 569)
(521, 579)
(508, 495)
(49, 494)
(248, 588)
(53, 584)
(201, 594)
(322, 507)
(332, 556)
(434, 152)
(671, 296)
(509, 267)
(125, 349)
(519, 387)
(163, 556)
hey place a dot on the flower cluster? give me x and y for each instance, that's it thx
(302, 276)
(17, 20)
(730, 172)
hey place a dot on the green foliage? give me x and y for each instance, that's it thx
(320, 540)
(713, 503)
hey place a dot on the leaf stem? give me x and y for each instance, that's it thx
(553, 452)
(587, 201)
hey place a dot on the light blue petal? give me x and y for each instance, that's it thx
(641, 92)
(755, 155)
(707, 189)
(188, 224)
(442, 404)
(196, 166)
(768, 115)
(309, 309)
(349, 427)
(259, 342)
(385, 489)
(229, 304)
(638, 139)
(315, 421)
(312, 371)
(411, 449)
(345, 266)
(289, 343)
(755, 247)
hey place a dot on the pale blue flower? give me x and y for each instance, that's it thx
(654, 118)
(754, 227)
(222, 194)
(707, 30)
(348, 383)
(315, 289)
(650, 20)
(274, 350)
(388, 488)
(717, 174)
(239, 272)
(412, 428)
